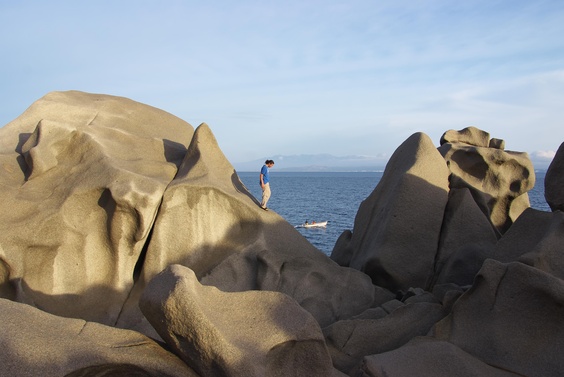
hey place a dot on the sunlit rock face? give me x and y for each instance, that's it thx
(82, 178)
(499, 180)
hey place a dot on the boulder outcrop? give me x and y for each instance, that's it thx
(554, 181)
(498, 179)
(129, 245)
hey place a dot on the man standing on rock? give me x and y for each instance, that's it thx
(264, 183)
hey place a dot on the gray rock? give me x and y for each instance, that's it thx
(427, 357)
(536, 239)
(350, 340)
(554, 181)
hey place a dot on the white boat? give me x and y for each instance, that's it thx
(314, 224)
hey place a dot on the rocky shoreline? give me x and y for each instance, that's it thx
(129, 246)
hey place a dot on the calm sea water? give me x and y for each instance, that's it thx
(333, 197)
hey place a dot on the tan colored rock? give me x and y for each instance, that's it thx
(511, 319)
(35, 343)
(499, 180)
(351, 340)
(252, 333)
(427, 357)
(209, 222)
(469, 135)
(554, 181)
(396, 230)
(467, 239)
(83, 176)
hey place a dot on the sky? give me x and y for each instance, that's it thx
(354, 77)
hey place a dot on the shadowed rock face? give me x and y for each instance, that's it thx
(108, 204)
(554, 181)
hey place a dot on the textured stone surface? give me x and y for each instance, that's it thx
(252, 333)
(511, 319)
(469, 135)
(498, 179)
(426, 357)
(554, 181)
(467, 239)
(536, 239)
(83, 176)
(35, 343)
(349, 341)
(396, 230)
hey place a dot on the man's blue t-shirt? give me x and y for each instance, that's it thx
(264, 172)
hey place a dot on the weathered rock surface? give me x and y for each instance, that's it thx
(498, 179)
(392, 243)
(511, 319)
(101, 194)
(36, 343)
(82, 178)
(554, 181)
(251, 333)
(222, 225)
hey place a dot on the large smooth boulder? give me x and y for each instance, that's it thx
(35, 343)
(397, 228)
(510, 319)
(82, 178)
(498, 179)
(251, 333)
(554, 181)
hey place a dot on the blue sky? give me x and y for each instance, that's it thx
(302, 77)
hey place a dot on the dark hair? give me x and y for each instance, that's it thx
(268, 162)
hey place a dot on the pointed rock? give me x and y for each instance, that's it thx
(396, 230)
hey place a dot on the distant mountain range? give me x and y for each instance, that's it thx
(330, 163)
(317, 163)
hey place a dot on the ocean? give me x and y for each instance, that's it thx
(333, 197)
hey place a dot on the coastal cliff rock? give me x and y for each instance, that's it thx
(498, 179)
(554, 181)
(82, 176)
(135, 227)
